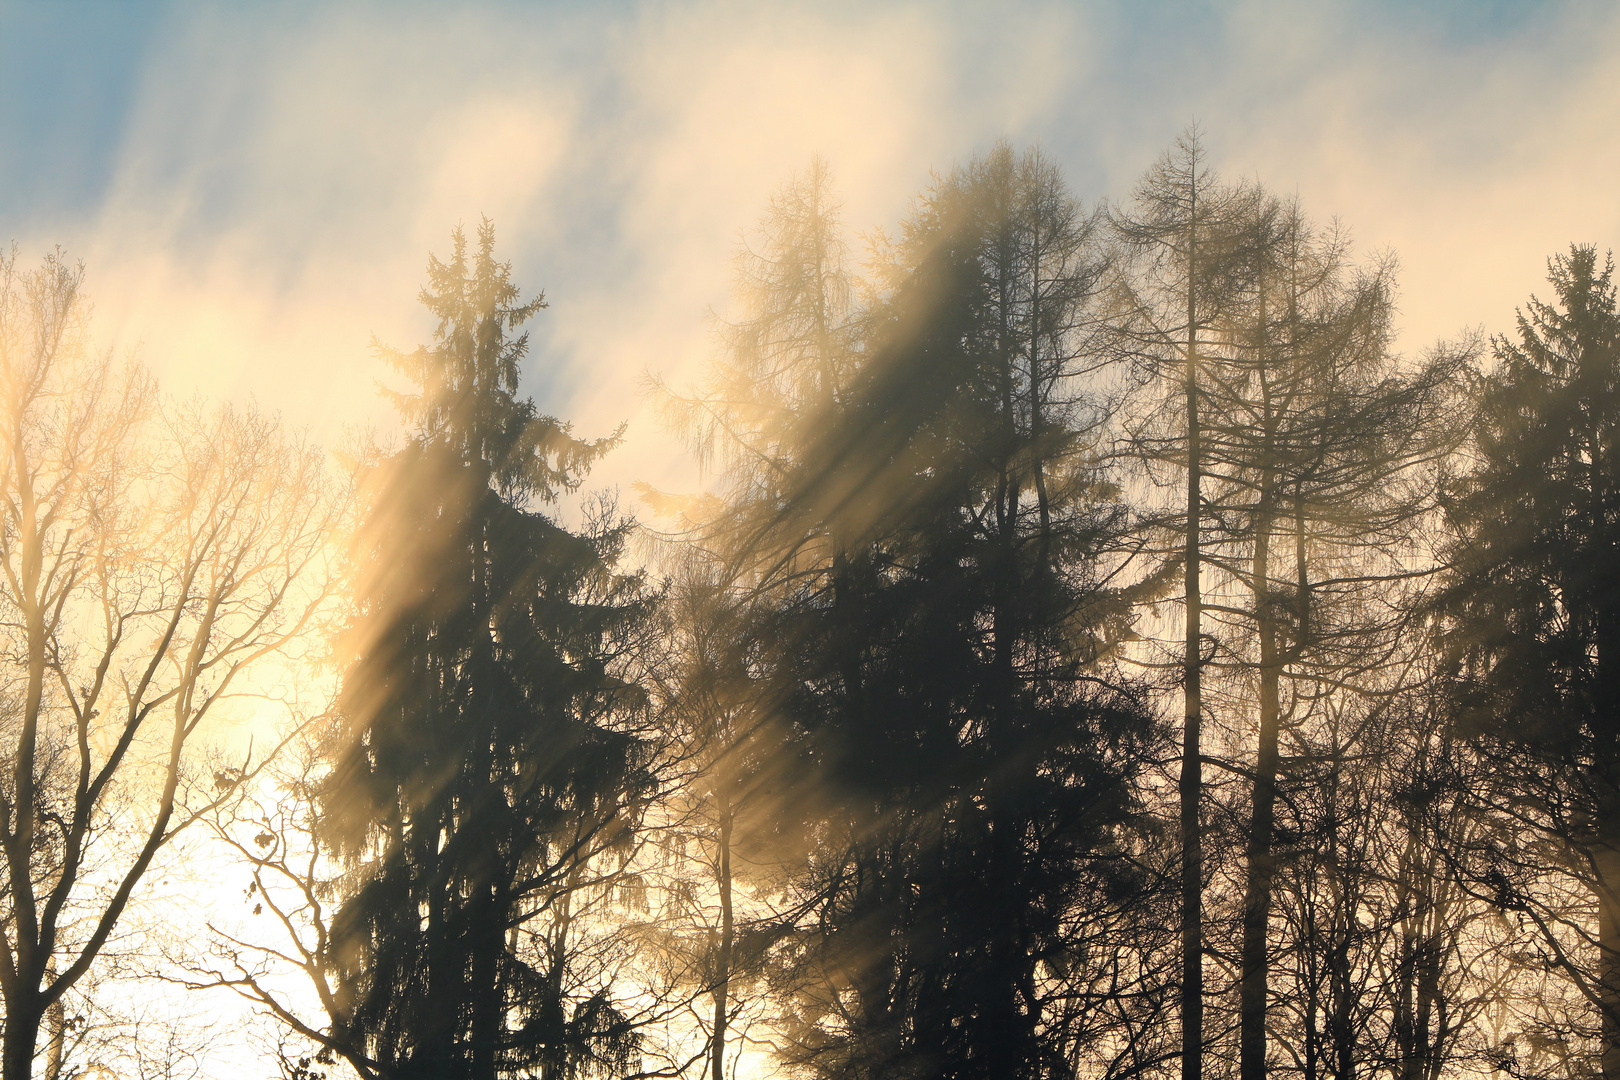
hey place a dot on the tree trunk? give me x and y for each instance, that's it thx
(1190, 786)
(486, 988)
(22, 1035)
(722, 981)
(1313, 1040)
(56, 1026)
(1262, 863)
(1608, 905)
(433, 1053)
(1428, 996)
(1343, 1028)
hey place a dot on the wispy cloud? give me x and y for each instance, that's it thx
(281, 172)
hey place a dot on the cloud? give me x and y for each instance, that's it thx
(282, 172)
(1474, 159)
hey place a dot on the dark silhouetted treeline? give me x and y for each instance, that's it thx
(1096, 654)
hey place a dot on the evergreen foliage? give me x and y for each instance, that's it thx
(944, 665)
(883, 781)
(1533, 623)
(487, 768)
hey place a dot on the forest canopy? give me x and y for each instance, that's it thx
(1095, 652)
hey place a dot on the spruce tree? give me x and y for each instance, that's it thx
(485, 771)
(946, 668)
(1533, 613)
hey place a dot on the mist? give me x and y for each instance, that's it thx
(840, 540)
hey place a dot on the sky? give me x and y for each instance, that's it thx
(255, 188)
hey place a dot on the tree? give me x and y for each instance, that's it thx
(1308, 451)
(1194, 242)
(489, 777)
(919, 558)
(942, 653)
(150, 562)
(720, 835)
(784, 365)
(1323, 448)
(1532, 613)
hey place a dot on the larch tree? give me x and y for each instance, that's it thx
(785, 361)
(1191, 244)
(1304, 450)
(1321, 448)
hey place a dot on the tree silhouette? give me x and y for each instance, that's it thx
(1533, 611)
(487, 772)
(784, 365)
(945, 665)
(149, 560)
(1194, 242)
(1324, 453)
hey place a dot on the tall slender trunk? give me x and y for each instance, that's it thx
(1411, 904)
(1341, 923)
(486, 910)
(432, 1055)
(1424, 908)
(1608, 905)
(1191, 783)
(557, 958)
(722, 980)
(1262, 862)
(1606, 856)
(54, 1019)
(1313, 1039)
(485, 988)
(1599, 454)
(998, 1034)
(24, 1009)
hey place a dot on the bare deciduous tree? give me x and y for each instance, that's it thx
(149, 560)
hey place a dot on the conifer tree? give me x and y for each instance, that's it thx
(1193, 242)
(784, 363)
(1533, 611)
(486, 771)
(1320, 447)
(1305, 449)
(946, 667)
